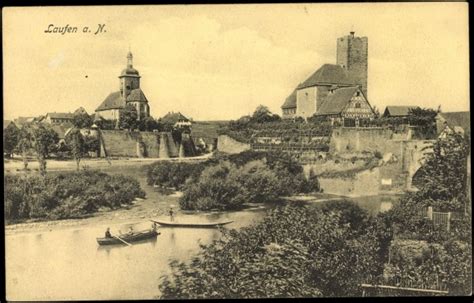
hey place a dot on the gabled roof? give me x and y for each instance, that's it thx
(7, 123)
(137, 95)
(398, 111)
(173, 118)
(60, 130)
(23, 120)
(327, 74)
(337, 101)
(80, 110)
(60, 115)
(461, 119)
(290, 101)
(113, 101)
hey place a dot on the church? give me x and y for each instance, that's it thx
(338, 90)
(129, 93)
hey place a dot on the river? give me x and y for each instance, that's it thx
(67, 263)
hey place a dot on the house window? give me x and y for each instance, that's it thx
(357, 105)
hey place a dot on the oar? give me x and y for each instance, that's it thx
(117, 237)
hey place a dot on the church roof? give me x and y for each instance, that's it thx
(137, 95)
(461, 119)
(398, 111)
(337, 101)
(290, 101)
(129, 71)
(113, 101)
(326, 74)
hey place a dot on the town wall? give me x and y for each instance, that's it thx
(123, 143)
(361, 184)
(228, 145)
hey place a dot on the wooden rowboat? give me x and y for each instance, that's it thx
(195, 225)
(135, 236)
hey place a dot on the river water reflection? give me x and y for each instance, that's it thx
(69, 264)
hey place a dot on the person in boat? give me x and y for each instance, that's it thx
(130, 230)
(171, 212)
(154, 226)
(107, 233)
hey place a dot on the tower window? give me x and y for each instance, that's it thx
(358, 94)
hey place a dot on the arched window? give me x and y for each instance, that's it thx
(357, 105)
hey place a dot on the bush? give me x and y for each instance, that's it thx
(66, 195)
(296, 251)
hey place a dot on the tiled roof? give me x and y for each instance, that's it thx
(397, 111)
(173, 118)
(290, 101)
(80, 110)
(336, 101)
(60, 115)
(326, 74)
(23, 120)
(113, 101)
(60, 130)
(461, 119)
(137, 95)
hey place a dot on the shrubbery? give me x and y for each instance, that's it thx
(297, 251)
(248, 177)
(66, 195)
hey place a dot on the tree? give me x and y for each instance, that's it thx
(442, 179)
(148, 124)
(262, 114)
(82, 120)
(128, 117)
(296, 251)
(43, 140)
(77, 145)
(25, 143)
(11, 137)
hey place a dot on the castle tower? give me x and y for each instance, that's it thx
(352, 55)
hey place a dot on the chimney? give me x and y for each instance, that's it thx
(352, 34)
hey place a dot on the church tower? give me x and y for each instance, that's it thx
(129, 78)
(352, 55)
(130, 89)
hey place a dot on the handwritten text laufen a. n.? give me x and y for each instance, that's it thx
(67, 29)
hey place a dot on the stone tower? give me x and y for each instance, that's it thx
(129, 78)
(352, 55)
(130, 89)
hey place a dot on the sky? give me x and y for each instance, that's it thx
(219, 62)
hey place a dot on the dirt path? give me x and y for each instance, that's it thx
(16, 164)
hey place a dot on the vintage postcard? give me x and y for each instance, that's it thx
(236, 151)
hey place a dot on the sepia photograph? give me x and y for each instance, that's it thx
(161, 152)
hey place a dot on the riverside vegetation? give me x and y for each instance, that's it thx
(305, 250)
(228, 181)
(66, 195)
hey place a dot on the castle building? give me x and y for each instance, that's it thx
(129, 93)
(350, 70)
(346, 104)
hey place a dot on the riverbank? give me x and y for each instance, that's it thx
(15, 165)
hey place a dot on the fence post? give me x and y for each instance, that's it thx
(430, 212)
(449, 220)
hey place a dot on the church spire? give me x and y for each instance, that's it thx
(129, 59)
